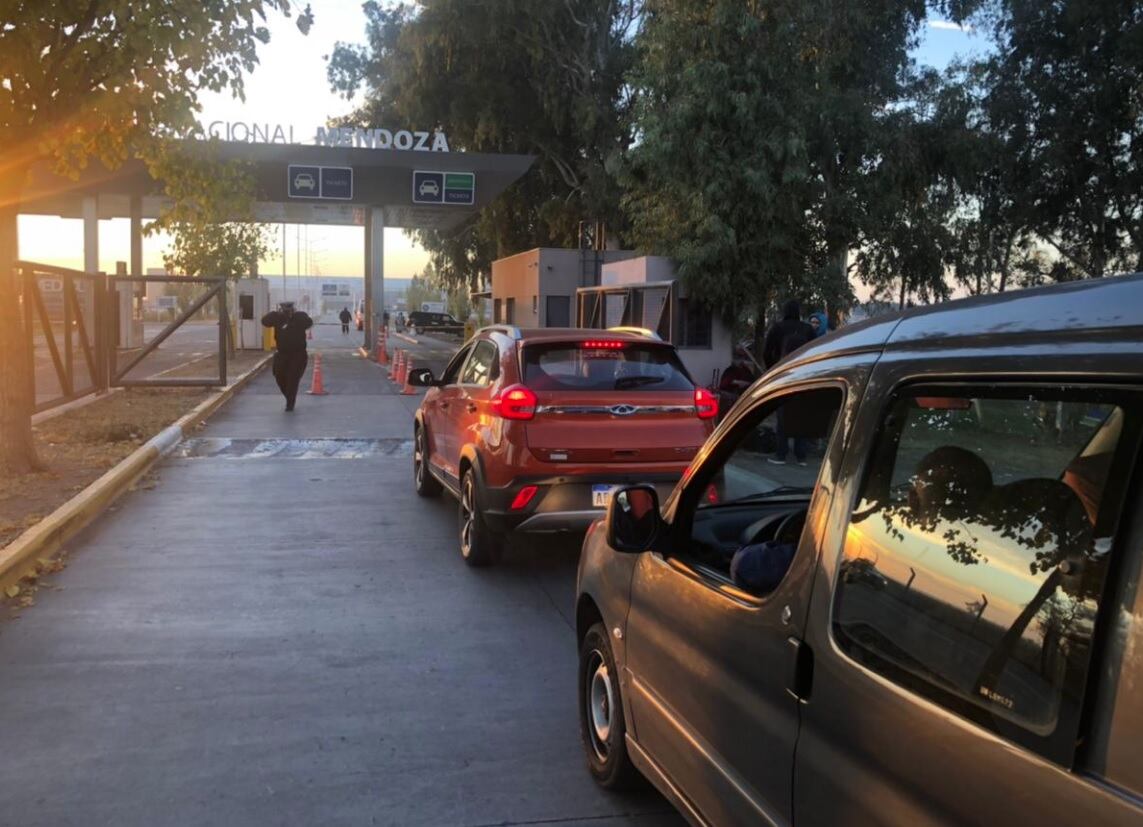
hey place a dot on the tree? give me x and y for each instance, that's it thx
(422, 289)
(511, 76)
(211, 214)
(99, 80)
(720, 178)
(1066, 87)
(763, 133)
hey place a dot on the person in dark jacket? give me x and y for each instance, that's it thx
(290, 355)
(820, 323)
(786, 336)
(782, 339)
(346, 317)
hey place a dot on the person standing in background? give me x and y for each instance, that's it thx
(345, 317)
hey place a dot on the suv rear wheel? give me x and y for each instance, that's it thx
(479, 545)
(424, 482)
(601, 723)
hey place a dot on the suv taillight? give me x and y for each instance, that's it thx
(706, 404)
(515, 402)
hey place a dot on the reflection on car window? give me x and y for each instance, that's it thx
(974, 561)
(749, 520)
(479, 370)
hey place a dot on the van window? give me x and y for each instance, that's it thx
(978, 549)
(749, 519)
(1118, 719)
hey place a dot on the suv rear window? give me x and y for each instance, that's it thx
(604, 366)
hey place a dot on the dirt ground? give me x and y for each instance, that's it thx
(80, 445)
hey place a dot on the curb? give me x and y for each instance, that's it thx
(406, 338)
(47, 536)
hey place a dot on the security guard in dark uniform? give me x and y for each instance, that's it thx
(290, 355)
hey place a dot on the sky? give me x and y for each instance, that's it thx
(289, 87)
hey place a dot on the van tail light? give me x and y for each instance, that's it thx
(524, 496)
(706, 404)
(514, 402)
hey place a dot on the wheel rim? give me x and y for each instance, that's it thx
(419, 458)
(600, 701)
(467, 516)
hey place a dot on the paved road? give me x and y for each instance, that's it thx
(281, 632)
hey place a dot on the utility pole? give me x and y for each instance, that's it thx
(283, 262)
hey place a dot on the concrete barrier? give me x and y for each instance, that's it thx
(44, 539)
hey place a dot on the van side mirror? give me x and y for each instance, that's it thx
(633, 519)
(421, 378)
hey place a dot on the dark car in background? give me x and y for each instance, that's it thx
(426, 322)
(942, 610)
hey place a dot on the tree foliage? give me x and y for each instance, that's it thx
(210, 215)
(100, 79)
(764, 130)
(507, 76)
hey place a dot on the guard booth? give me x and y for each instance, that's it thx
(253, 303)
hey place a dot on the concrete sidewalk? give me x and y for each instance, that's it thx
(282, 632)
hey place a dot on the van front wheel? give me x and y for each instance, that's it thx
(601, 724)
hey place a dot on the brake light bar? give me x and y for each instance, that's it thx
(515, 402)
(706, 404)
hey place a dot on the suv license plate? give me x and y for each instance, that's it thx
(601, 495)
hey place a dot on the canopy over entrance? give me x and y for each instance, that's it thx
(300, 184)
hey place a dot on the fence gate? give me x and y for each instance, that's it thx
(64, 325)
(127, 356)
(87, 332)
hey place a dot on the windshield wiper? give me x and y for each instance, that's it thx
(765, 495)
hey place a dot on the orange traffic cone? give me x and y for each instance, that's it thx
(317, 388)
(395, 373)
(407, 390)
(382, 354)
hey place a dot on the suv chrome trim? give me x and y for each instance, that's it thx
(615, 410)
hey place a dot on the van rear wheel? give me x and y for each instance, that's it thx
(601, 724)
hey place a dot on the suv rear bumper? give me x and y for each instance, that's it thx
(562, 503)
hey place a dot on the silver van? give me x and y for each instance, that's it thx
(917, 600)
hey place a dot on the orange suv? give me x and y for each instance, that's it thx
(531, 430)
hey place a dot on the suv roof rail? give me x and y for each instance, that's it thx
(509, 330)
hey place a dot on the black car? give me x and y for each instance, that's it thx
(422, 321)
(918, 601)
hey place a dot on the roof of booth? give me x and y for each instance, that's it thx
(381, 178)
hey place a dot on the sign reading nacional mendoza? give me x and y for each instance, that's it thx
(347, 136)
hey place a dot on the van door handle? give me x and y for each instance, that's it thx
(799, 669)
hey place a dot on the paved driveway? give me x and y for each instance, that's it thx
(281, 632)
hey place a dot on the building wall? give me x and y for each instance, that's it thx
(531, 277)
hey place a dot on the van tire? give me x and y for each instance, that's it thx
(602, 727)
